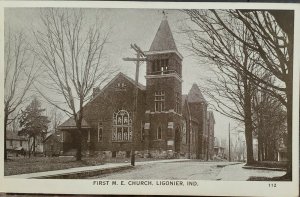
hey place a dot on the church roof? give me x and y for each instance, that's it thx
(70, 123)
(163, 40)
(195, 95)
(140, 86)
(120, 74)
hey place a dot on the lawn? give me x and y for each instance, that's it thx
(256, 178)
(20, 165)
(270, 164)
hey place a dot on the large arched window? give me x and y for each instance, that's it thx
(122, 126)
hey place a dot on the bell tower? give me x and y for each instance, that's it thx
(163, 89)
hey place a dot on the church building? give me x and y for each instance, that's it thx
(167, 123)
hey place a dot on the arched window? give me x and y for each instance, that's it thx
(159, 133)
(122, 126)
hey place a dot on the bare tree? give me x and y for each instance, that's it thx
(55, 117)
(272, 40)
(231, 88)
(70, 47)
(270, 121)
(19, 75)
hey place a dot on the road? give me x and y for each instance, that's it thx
(173, 170)
(190, 170)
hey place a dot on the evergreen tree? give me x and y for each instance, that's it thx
(33, 123)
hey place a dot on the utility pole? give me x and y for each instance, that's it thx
(140, 56)
(229, 143)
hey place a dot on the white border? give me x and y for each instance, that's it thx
(215, 188)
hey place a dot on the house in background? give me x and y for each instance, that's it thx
(52, 144)
(282, 154)
(15, 143)
(219, 149)
(282, 150)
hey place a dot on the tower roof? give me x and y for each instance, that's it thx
(195, 95)
(163, 40)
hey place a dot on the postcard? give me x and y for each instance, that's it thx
(150, 98)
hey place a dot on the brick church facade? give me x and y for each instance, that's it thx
(167, 124)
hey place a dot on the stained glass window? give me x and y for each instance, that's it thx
(122, 126)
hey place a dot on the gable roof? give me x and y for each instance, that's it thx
(70, 123)
(195, 95)
(11, 135)
(51, 135)
(163, 40)
(120, 74)
(140, 86)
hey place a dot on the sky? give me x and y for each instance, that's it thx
(132, 26)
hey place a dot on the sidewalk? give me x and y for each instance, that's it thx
(238, 173)
(88, 171)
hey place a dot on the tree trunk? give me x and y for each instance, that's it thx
(262, 151)
(29, 148)
(5, 127)
(260, 141)
(248, 119)
(289, 87)
(289, 93)
(249, 143)
(79, 145)
(248, 124)
(33, 144)
(266, 151)
(259, 145)
(274, 152)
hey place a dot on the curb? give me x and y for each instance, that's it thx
(84, 174)
(263, 168)
(224, 165)
(219, 177)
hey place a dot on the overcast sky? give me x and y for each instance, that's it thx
(131, 26)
